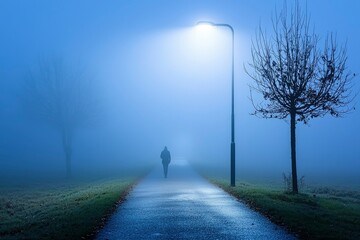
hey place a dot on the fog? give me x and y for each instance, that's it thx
(157, 81)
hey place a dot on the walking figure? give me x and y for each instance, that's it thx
(166, 159)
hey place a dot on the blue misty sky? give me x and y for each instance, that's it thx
(159, 84)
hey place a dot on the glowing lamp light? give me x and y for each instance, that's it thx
(204, 26)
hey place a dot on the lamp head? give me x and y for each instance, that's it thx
(205, 23)
(204, 26)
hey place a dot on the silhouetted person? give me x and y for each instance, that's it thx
(166, 159)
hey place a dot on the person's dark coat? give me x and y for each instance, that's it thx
(165, 156)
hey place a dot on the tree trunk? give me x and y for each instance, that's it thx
(66, 139)
(293, 151)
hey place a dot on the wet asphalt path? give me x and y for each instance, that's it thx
(185, 206)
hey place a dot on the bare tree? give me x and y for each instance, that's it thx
(296, 77)
(61, 98)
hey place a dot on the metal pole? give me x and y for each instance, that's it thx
(232, 157)
(232, 118)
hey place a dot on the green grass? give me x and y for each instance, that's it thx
(59, 211)
(315, 214)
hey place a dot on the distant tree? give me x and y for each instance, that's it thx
(297, 78)
(61, 98)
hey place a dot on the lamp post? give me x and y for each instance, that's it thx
(232, 145)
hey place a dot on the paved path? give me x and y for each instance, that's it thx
(185, 206)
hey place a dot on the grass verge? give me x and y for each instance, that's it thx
(59, 211)
(310, 215)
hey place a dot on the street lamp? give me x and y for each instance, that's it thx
(204, 24)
